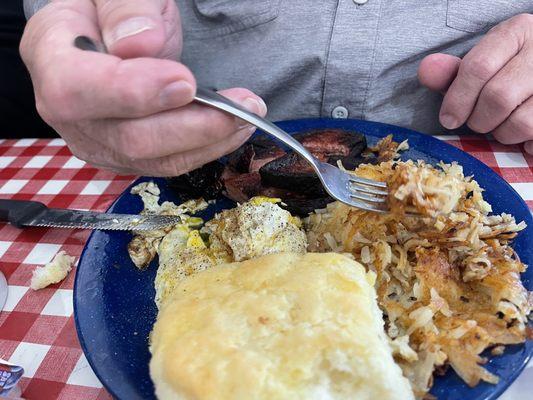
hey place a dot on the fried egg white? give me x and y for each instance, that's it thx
(255, 228)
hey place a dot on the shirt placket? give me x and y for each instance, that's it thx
(350, 58)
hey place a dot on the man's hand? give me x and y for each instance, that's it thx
(491, 88)
(129, 110)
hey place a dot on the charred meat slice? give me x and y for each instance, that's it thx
(202, 182)
(304, 206)
(253, 155)
(262, 168)
(293, 173)
(240, 159)
(265, 148)
(333, 142)
(242, 187)
(352, 163)
(330, 145)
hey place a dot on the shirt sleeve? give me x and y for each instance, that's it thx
(32, 6)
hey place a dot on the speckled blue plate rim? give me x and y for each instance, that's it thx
(102, 378)
(305, 124)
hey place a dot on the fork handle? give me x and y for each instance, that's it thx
(213, 99)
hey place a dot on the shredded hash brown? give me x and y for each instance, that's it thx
(448, 282)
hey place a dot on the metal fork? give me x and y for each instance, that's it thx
(342, 186)
(347, 188)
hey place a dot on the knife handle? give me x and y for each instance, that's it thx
(16, 212)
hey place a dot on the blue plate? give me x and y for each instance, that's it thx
(113, 301)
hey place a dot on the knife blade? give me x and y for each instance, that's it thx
(22, 213)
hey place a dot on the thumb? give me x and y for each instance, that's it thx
(437, 71)
(132, 28)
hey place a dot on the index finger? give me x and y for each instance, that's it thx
(496, 48)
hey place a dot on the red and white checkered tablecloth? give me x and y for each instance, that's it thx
(37, 327)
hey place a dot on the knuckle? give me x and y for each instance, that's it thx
(30, 38)
(33, 24)
(522, 122)
(479, 67)
(43, 111)
(132, 98)
(56, 101)
(107, 7)
(474, 125)
(523, 19)
(499, 97)
(38, 28)
(503, 137)
(26, 42)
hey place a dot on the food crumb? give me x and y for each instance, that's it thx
(497, 351)
(53, 272)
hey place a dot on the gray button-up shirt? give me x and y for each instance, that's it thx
(334, 58)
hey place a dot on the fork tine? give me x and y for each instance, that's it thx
(366, 189)
(366, 206)
(364, 181)
(370, 199)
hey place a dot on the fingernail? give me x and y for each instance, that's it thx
(449, 121)
(174, 93)
(129, 27)
(248, 130)
(263, 107)
(255, 105)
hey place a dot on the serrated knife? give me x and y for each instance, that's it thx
(23, 213)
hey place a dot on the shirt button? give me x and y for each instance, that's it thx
(340, 112)
(360, 2)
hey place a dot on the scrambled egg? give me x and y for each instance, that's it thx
(258, 227)
(250, 230)
(143, 247)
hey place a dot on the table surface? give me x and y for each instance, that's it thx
(37, 327)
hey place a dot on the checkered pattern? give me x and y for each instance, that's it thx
(509, 161)
(37, 328)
